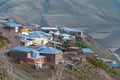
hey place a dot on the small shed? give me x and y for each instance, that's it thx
(53, 55)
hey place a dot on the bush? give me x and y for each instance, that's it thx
(81, 45)
(65, 45)
(47, 31)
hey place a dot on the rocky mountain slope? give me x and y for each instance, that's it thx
(63, 12)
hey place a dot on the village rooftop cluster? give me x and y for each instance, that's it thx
(41, 46)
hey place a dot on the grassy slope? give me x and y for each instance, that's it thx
(3, 41)
(100, 50)
(90, 72)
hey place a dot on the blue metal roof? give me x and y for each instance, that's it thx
(36, 34)
(54, 42)
(29, 27)
(13, 24)
(29, 37)
(24, 41)
(87, 50)
(105, 60)
(22, 49)
(114, 65)
(70, 30)
(39, 32)
(65, 35)
(3, 21)
(48, 50)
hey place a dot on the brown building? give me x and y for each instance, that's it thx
(28, 55)
(53, 55)
(14, 27)
(72, 51)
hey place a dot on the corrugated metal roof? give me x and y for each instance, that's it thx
(87, 50)
(22, 49)
(13, 24)
(48, 50)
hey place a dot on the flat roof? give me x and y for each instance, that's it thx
(24, 41)
(10, 24)
(54, 42)
(37, 34)
(105, 60)
(71, 30)
(22, 49)
(48, 50)
(49, 28)
(87, 50)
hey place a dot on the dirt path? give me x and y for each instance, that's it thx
(15, 74)
(104, 75)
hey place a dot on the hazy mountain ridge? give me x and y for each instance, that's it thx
(96, 15)
(72, 12)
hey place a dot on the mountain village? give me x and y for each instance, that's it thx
(48, 47)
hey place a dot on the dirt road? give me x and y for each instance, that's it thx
(15, 74)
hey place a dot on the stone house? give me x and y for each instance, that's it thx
(53, 55)
(28, 55)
